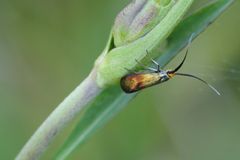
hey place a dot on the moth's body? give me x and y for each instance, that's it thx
(135, 82)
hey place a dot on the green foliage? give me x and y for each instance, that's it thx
(112, 99)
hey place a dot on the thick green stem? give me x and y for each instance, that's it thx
(59, 118)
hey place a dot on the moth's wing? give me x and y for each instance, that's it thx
(134, 82)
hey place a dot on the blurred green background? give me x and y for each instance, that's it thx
(48, 47)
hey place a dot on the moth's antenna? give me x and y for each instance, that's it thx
(209, 85)
(180, 65)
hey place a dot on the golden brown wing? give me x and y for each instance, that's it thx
(135, 82)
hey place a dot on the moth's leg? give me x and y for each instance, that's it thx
(154, 62)
(148, 68)
(157, 64)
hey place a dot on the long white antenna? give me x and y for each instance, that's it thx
(209, 85)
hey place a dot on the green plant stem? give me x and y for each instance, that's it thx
(59, 118)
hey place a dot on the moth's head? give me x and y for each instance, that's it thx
(170, 73)
(165, 76)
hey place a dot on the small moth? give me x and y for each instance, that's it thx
(137, 81)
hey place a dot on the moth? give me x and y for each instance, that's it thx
(134, 82)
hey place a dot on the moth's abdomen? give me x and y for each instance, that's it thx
(135, 82)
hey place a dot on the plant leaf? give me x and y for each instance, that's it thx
(112, 99)
(111, 69)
